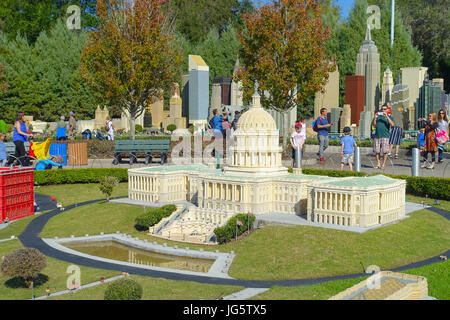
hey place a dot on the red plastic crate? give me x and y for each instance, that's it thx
(18, 211)
(16, 193)
(16, 199)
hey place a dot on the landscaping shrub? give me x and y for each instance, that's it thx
(107, 185)
(438, 188)
(24, 263)
(153, 216)
(228, 231)
(138, 128)
(124, 289)
(63, 176)
(171, 127)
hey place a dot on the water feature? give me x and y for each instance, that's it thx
(114, 250)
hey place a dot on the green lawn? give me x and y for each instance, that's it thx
(69, 194)
(438, 278)
(285, 252)
(55, 275)
(159, 289)
(445, 204)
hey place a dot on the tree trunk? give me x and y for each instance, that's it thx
(284, 127)
(132, 126)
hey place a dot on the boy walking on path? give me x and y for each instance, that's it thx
(347, 143)
(322, 132)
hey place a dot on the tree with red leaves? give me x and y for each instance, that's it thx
(283, 48)
(131, 56)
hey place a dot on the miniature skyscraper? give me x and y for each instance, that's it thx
(368, 65)
(198, 92)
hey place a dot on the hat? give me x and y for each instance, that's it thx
(347, 129)
(70, 113)
(62, 118)
(298, 125)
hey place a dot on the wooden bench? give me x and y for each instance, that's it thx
(147, 147)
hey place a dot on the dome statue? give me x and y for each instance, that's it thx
(256, 148)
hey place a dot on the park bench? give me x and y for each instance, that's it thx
(147, 147)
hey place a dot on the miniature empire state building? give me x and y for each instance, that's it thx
(256, 182)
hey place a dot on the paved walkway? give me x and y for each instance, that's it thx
(292, 219)
(393, 166)
(30, 238)
(89, 285)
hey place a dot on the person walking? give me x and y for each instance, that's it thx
(72, 125)
(61, 129)
(395, 139)
(430, 140)
(322, 132)
(442, 126)
(347, 142)
(20, 136)
(382, 122)
(109, 128)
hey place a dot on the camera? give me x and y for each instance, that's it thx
(380, 113)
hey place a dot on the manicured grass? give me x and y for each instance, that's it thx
(69, 194)
(55, 275)
(159, 289)
(438, 278)
(445, 204)
(15, 228)
(285, 252)
(321, 291)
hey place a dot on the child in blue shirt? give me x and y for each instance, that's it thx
(347, 143)
(2, 150)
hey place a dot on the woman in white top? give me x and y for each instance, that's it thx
(109, 128)
(442, 125)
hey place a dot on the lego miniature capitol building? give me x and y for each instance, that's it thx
(256, 182)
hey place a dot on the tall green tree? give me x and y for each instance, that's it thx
(194, 19)
(132, 55)
(31, 17)
(43, 78)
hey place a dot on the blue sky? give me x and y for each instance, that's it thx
(345, 5)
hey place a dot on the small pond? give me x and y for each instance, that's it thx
(117, 251)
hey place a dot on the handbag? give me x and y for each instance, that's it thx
(441, 136)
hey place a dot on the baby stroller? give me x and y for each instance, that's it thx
(45, 160)
(99, 135)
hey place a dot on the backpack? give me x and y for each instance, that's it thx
(314, 125)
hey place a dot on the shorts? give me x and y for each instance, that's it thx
(347, 158)
(396, 136)
(381, 145)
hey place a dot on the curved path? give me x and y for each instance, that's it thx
(30, 238)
